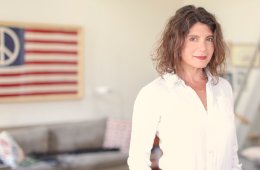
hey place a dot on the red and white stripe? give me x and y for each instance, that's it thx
(50, 68)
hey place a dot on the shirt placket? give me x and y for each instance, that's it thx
(193, 97)
(210, 153)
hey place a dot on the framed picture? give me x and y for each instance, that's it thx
(40, 62)
(242, 54)
(229, 77)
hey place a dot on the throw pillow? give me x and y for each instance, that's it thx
(117, 134)
(10, 152)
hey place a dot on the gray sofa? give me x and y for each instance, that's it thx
(67, 146)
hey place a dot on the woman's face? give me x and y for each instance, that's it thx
(198, 47)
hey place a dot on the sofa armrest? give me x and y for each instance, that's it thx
(5, 167)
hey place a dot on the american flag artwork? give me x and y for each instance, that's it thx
(40, 62)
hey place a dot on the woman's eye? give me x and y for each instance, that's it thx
(193, 39)
(210, 39)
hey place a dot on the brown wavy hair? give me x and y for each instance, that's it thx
(168, 53)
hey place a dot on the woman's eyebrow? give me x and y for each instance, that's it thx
(193, 35)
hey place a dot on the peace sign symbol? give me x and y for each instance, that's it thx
(7, 55)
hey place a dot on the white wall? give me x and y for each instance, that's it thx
(239, 18)
(119, 38)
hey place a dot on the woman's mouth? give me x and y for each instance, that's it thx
(201, 57)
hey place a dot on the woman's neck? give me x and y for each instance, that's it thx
(192, 76)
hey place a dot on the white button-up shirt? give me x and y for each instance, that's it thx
(191, 137)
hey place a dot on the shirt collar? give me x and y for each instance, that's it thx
(173, 79)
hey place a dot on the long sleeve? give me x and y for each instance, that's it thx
(235, 161)
(144, 125)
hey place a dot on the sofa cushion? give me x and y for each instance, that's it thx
(39, 166)
(77, 135)
(31, 139)
(121, 167)
(93, 161)
(5, 167)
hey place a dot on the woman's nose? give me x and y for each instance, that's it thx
(202, 46)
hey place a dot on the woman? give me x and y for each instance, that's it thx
(189, 106)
